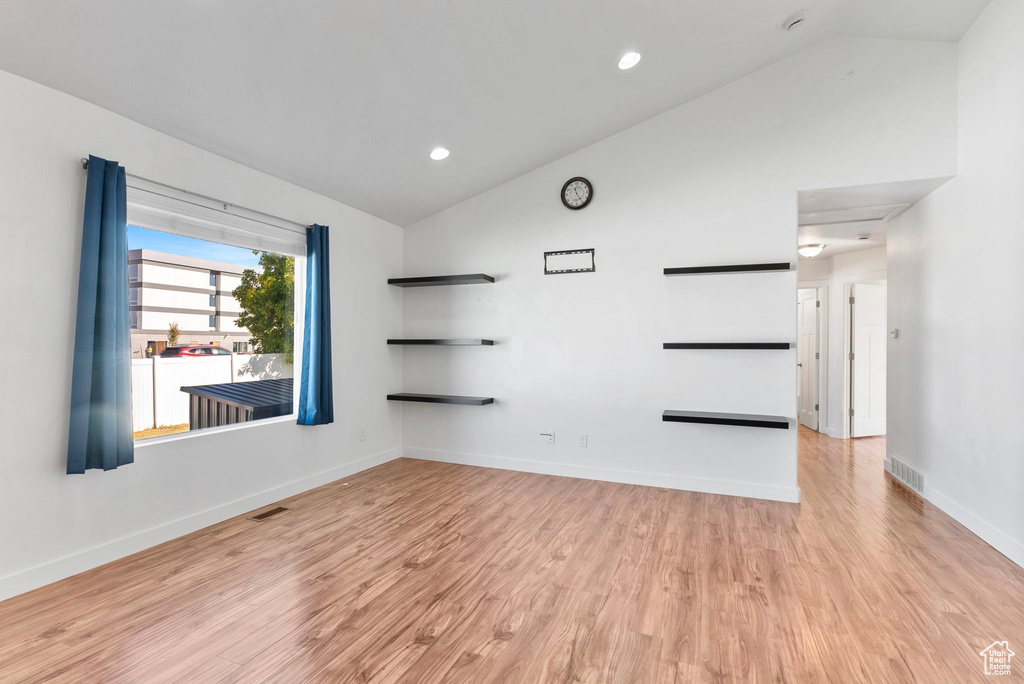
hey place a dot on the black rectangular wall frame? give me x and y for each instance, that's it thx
(549, 271)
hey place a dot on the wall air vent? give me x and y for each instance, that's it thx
(909, 476)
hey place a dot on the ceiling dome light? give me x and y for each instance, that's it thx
(629, 60)
(439, 153)
(810, 251)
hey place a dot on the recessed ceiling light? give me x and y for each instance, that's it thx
(439, 153)
(810, 251)
(629, 60)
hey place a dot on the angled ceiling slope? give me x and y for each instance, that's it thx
(348, 98)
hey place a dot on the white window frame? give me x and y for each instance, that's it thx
(158, 207)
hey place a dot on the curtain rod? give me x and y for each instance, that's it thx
(299, 227)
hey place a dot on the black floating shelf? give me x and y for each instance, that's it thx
(741, 419)
(727, 345)
(446, 343)
(441, 399)
(734, 268)
(429, 281)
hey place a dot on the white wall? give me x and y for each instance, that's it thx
(956, 373)
(52, 524)
(713, 181)
(817, 269)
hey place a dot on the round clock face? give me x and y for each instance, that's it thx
(577, 193)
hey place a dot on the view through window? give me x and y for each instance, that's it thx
(212, 333)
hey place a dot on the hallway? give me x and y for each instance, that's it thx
(418, 571)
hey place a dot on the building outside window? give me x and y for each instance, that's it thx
(172, 288)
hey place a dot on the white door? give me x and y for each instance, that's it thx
(867, 367)
(806, 356)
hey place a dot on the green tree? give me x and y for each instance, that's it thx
(267, 300)
(173, 333)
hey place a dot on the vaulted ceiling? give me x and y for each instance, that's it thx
(348, 97)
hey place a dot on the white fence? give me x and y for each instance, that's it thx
(157, 398)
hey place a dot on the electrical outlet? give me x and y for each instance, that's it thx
(583, 439)
(549, 437)
(362, 434)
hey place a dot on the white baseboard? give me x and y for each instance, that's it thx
(987, 532)
(834, 433)
(998, 540)
(32, 578)
(728, 487)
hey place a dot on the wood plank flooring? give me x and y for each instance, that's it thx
(426, 572)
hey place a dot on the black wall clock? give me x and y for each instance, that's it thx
(577, 192)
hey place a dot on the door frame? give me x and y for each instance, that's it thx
(866, 279)
(816, 360)
(821, 339)
(872, 278)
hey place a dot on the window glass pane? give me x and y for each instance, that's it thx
(257, 295)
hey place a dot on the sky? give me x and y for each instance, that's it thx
(143, 238)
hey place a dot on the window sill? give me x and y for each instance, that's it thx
(192, 434)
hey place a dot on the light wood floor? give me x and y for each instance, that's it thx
(425, 572)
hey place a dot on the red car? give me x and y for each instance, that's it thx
(195, 350)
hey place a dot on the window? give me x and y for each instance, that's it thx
(133, 295)
(188, 231)
(133, 320)
(240, 347)
(133, 273)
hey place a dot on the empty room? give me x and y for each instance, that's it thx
(519, 342)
